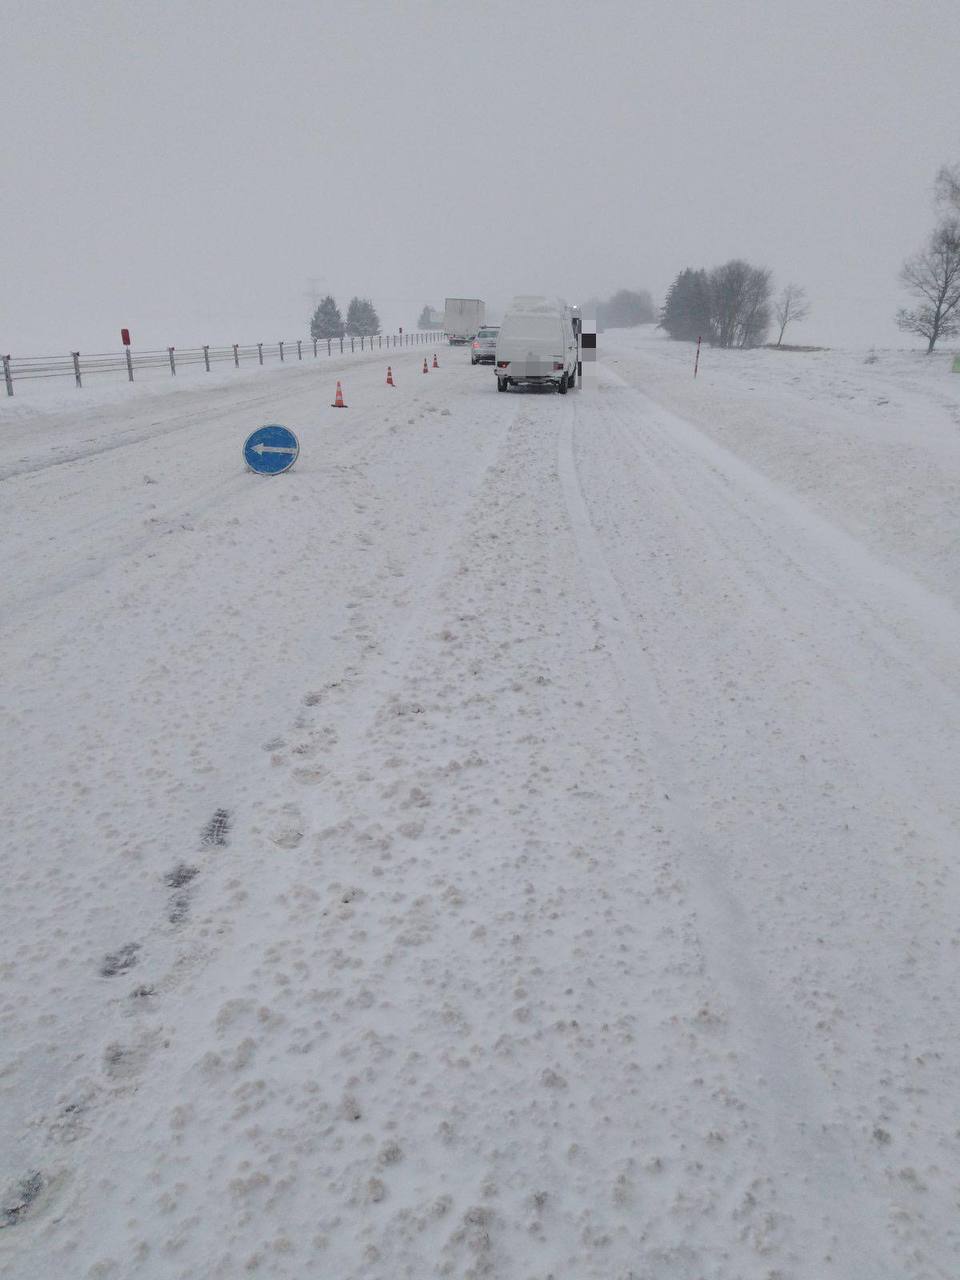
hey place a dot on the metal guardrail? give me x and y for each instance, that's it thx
(79, 365)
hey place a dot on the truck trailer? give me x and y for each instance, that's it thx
(462, 317)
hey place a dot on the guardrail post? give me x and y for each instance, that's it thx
(76, 367)
(341, 346)
(260, 351)
(173, 367)
(206, 358)
(281, 353)
(236, 355)
(315, 348)
(329, 352)
(126, 350)
(7, 376)
(299, 352)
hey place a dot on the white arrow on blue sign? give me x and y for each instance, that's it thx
(271, 450)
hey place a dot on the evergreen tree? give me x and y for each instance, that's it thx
(327, 321)
(686, 313)
(370, 317)
(362, 319)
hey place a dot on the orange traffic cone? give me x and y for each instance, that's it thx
(390, 381)
(435, 365)
(425, 369)
(338, 403)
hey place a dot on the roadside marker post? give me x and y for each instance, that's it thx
(125, 339)
(588, 353)
(696, 363)
(271, 450)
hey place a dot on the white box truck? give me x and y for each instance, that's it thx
(462, 317)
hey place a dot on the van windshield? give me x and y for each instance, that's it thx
(530, 327)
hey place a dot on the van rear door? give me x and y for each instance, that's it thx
(533, 344)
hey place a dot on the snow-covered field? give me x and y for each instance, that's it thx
(520, 842)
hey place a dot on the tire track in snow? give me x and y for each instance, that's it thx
(874, 679)
(840, 600)
(793, 1127)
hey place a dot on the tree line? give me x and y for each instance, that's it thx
(730, 306)
(327, 322)
(733, 305)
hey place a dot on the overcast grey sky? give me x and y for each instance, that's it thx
(184, 168)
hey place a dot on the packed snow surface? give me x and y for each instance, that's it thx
(519, 842)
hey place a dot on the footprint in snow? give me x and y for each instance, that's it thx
(119, 961)
(217, 829)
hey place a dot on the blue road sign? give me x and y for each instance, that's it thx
(270, 450)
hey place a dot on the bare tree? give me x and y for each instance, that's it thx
(933, 276)
(947, 189)
(791, 305)
(740, 297)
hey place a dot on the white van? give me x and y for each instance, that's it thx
(536, 346)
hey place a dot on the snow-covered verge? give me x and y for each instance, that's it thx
(871, 439)
(519, 842)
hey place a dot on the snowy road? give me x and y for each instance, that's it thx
(519, 842)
